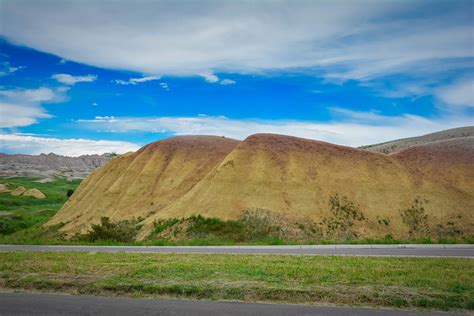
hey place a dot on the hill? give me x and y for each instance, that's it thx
(48, 166)
(395, 145)
(345, 192)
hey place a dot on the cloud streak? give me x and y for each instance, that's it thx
(72, 80)
(23, 107)
(27, 144)
(353, 128)
(344, 40)
(134, 81)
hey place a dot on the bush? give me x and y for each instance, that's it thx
(258, 223)
(123, 231)
(163, 224)
(200, 226)
(416, 220)
(344, 214)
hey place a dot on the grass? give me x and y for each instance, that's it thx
(21, 212)
(432, 283)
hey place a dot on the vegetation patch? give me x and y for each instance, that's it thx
(21, 212)
(429, 283)
(344, 215)
(253, 226)
(416, 220)
(107, 230)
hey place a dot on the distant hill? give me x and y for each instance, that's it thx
(395, 145)
(47, 166)
(304, 180)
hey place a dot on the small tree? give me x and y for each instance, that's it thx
(69, 193)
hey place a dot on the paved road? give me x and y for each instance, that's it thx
(347, 250)
(52, 304)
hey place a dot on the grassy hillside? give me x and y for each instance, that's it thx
(20, 212)
(395, 145)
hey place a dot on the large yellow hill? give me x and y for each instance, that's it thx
(294, 177)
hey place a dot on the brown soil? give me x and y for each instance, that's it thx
(18, 191)
(34, 193)
(294, 177)
(4, 188)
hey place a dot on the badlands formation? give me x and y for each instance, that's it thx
(292, 177)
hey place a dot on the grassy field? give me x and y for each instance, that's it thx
(21, 212)
(432, 283)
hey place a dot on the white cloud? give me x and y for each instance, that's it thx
(69, 147)
(23, 107)
(226, 82)
(209, 77)
(355, 128)
(165, 86)
(15, 115)
(42, 94)
(6, 68)
(460, 93)
(343, 39)
(134, 81)
(71, 80)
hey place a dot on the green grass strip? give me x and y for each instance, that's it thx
(429, 283)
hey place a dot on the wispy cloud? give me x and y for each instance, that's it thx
(6, 68)
(460, 93)
(209, 77)
(26, 144)
(359, 40)
(353, 128)
(72, 80)
(134, 81)
(23, 107)
(165, 86)
(226, 82)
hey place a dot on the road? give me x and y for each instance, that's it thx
(459, 250)
(54, 304)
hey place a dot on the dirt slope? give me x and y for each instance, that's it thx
(142, 183)
(212, 176)
(395, 145)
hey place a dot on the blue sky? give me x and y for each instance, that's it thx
(93, 77)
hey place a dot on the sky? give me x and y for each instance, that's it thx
(89, 77)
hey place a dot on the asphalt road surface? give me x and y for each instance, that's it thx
(53, 304)
(460, 250)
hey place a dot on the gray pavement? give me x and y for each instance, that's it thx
(53, 304)
(459, 250)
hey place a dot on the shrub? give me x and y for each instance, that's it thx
(123, 231)
(344, 214)
(448, 231)
(258, 223)
(163, 224)
(200, 226)
(416, 220)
